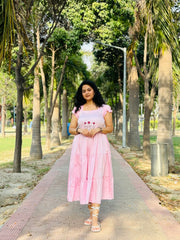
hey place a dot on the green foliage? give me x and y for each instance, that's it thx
(176, 141)
(154, 124)
(7, 87)
(65, 40)
(8, 114)
(79, 15)
(111, 23)
(113, 19)
(7, 19)
(178, 124)
(162, 25)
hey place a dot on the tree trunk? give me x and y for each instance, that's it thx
(164, 130)
(18, 144)
(64, 114)
(134, 140)
(148, 101)
(120, 125)
(36, 149)
(148, 106)
(55, 140)
(147, 114)
(47, 110)
(25, 121)
(146, 132)
(49, 116)
(48, 132)
(3, 116)
(120, 120)
(19, 109)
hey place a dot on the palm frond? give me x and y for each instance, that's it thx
(8, 18)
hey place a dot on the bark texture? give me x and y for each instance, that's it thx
(19, 108)
(164, 130)
(134, 139)
(36, 149)
(55, 140)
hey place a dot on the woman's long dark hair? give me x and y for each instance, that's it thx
(79, 100)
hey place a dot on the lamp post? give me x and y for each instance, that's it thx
(124, 91)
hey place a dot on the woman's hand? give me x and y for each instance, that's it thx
(94, 131)
(88, 133)
(84, 132)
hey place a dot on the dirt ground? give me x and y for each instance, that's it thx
(14, 187)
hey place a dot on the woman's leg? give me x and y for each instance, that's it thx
(89, 220)
(95, 213)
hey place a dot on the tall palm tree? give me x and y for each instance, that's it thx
(164, 31)
(165, 91)
(140, 28)
(162, 39)
(133, 84)
(36, 149)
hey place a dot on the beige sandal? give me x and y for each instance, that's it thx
(98, 227)
(88, 221)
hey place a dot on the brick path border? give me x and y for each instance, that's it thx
(14, 226)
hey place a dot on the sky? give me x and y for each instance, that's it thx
(87, 47)
(87, 59)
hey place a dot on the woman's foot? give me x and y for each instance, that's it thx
(96, 227)
(88, 221)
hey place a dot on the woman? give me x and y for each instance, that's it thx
(90, 171)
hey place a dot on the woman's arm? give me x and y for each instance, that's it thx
(108, 123)
(73, 125)
(74, 130)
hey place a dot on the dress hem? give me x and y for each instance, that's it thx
(83, 203)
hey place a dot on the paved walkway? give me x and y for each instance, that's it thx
(134, 214)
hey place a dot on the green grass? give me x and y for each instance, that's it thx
(7, 147)
(43, 171)
(176, 144)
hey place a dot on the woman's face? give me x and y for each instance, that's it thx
(87, 92)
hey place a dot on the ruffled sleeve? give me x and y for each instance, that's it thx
(106, 108)
(75, 113)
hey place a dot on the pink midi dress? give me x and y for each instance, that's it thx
(90, 170)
